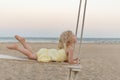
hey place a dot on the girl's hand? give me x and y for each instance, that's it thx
(77, 60)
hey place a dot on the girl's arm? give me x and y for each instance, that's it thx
(70, 56)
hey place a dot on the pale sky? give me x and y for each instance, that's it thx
(48, 18)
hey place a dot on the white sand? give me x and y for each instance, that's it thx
(99, 61)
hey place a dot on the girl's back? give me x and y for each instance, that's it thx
(47, 55)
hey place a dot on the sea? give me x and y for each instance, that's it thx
(55, 40)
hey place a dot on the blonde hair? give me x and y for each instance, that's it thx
(65, 39)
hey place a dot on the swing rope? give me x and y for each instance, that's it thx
(78, 18)
(83, 22)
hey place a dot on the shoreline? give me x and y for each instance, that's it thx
(57, 42)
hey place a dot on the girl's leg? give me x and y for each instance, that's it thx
(26, 52)
(23, 42)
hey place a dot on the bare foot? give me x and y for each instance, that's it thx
(19, 38)
(13, 47)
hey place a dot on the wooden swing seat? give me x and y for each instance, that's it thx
(72, 73)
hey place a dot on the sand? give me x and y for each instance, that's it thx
(99, 61)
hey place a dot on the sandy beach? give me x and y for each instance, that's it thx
(99, 61)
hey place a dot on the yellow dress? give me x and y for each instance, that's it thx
(47, 55)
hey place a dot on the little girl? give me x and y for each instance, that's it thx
(64, 53)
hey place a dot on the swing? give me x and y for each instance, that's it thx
(73, 69)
